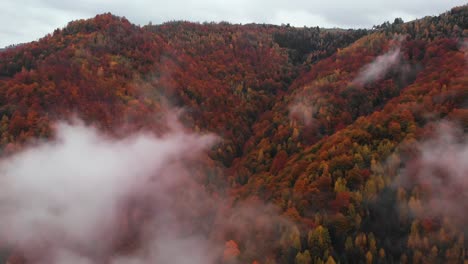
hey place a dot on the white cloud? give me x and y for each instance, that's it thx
(73, 193)
(440, 170)
(377, 69)
(83, 197)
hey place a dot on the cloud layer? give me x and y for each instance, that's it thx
(86, 197)
(75, 198)
(377, 69)
(441, 172)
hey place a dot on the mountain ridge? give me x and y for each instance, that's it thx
(318, 123)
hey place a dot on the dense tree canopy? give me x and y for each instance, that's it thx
(302, 130)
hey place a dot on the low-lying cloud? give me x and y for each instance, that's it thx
(87, 197)
(73, 197)
(377, 69)
(302, 112)
(441, 172)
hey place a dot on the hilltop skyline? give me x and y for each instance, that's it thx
(28, 20)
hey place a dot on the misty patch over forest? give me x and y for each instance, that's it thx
(227, 143)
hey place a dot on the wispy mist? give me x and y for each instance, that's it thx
(441, 171)
(86, 197)
(65, 199)
(377, 69)
(302, 112)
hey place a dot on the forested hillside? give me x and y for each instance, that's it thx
(332, 146)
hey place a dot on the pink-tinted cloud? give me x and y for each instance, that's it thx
(86, 197)
(64, 199)
(441, 171)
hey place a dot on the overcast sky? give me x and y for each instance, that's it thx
(28, 20)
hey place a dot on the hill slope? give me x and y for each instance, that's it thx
(326, 134)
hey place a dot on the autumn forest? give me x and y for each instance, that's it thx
(226, 143)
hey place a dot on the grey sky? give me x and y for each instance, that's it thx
(28, 20)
